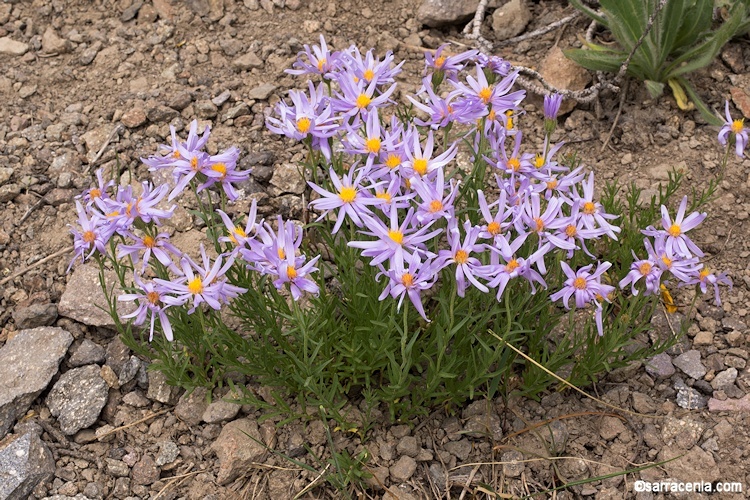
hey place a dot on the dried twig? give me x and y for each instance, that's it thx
(539, 32)
(176, 479)
(30, 210)
(131, 424)
(115, 132)
(617, 116)
(35, 264)
(473, 30)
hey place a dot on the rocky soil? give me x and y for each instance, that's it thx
(97, 83)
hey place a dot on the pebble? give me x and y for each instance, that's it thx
(688, 397)
(168, 453)
(24, 377)
(206, 109)
(145, 471)
(237, 447)
(513, 465)
(408, 446)
(53, 44)
(459, 449)
(247, 61)
(438, 13)
(12, 47)
(220, 411)
(221, 98)
(134, 118)
(690, 364)
(660, 366)
(287, 178)
(129, 370)
(86, 353)
(35, 315)
(724, 379)
(262, 92)
(703, 338)
(190, 407)
(742, 404)
(136, 400)
(403, 469)
(77, 398)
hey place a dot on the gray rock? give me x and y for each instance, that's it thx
(724, 379)
(35, 315)
(12, 47)
(660, 366)
(131, 11)
(484, 425)
(190, 407)
(159, 390)
(513, 465)
(9, 191)
(437, 13)
(24, 463)
(129, 370)
(145, 471)
(221, 98)
(610, 428)
(77, 398)
(159, 114)
(261, 92)
(408, 446)
(206, 109)
(730, 404)
(24, 377)
(168, 453)
(731, 323)
(460, 449)
(403, 469)
(238, 445)
(136, 400)
(53, 44)
(690, 364)
(220, 411)
(117, 468)
(86, 353)
(181, 100)
(247, 61)
(5, 174)
(287, 178)
(242, 109)
(689, 398)
(510, 19)
(83, 297)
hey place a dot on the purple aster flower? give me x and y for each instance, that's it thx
(592, 213)
(496, 225)
(292, 271)
(573, 230)
(493, 66)
(734, 129)
(514, 266)
(347, 197)
(359, 96)
(318, 61)
(171, 153)
(647, 269)
(551, 109)
(517, 163)
(674, 231)
(371, 69)
(200, 284)
(467, 267)
(705, 277)
(399, 240)
(435, 202)
(125, 208)
(411, 281)
(389, 191)
(440, 109)
(150, 302)
(680, 268)
(587, 288)
(310, 117)
(372, 143)
(236, 235)
(494, 95)
(222, 168)
(442, 66)
(420, 162)
(90, 196)
(532, 217)
(159, 246)
(94, 234)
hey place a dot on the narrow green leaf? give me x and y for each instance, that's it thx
(596, 61)
(655, 89)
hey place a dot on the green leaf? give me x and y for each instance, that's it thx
(595, 60)
(590, 12)
(627, 17)
(695, 22)
(655, 89)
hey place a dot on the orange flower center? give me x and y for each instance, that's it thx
(196, 286)
(373, 145)
(674, 230)
(493, 228)
(194, 163)
(396, 235)
(552, 184)
(436, 206)
(369, 74)
(291, 272)
(95, 193)
(511, 266)
(738, 125)
(420, 166)
(579, 283)
(303, 124)
(152, 297)
(89, 237)
(539, 224)
(645, 268)
(384, 196)
(321, 63)
(149, 242)
(363, 101)
(589, 208)
(514, 164)
(407, 279)
(461, 257)
(393, 161)
(667, 261)
(539, 160)
(571, 230)
(485, 94)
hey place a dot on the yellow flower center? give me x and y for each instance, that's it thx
(396, 235)
(571, 230)
(514, 164)
(407, 279)
(347, 194)
(369, 74)
(321, 63)
(485, 94)
(291, 272)
(491, 117)
(420, 166)
(439, 62)
(176, 154)
(645, 268)
(393, 161)
(384, 196)
(89, 237)
(552, 184)
(238, 231)
(373, 145)
(221, 168)
(511, 266)
(509, 114)
(579, 283)
(674, 230)
(281, 253)
(667, 261)
(303, 124)
(95, 193)
(589, 208)
(149, 242)
(703, 274)
(461, 257)
(363, 101)
(194, 163)
(196, 286)
(539, 160)
(493, 228)
(738, 125)
(539, 224)
(152, 297)
(436, 206)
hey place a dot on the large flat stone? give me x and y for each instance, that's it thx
(24, 463)
(83, 298)
(28, 362)
(77, 398)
